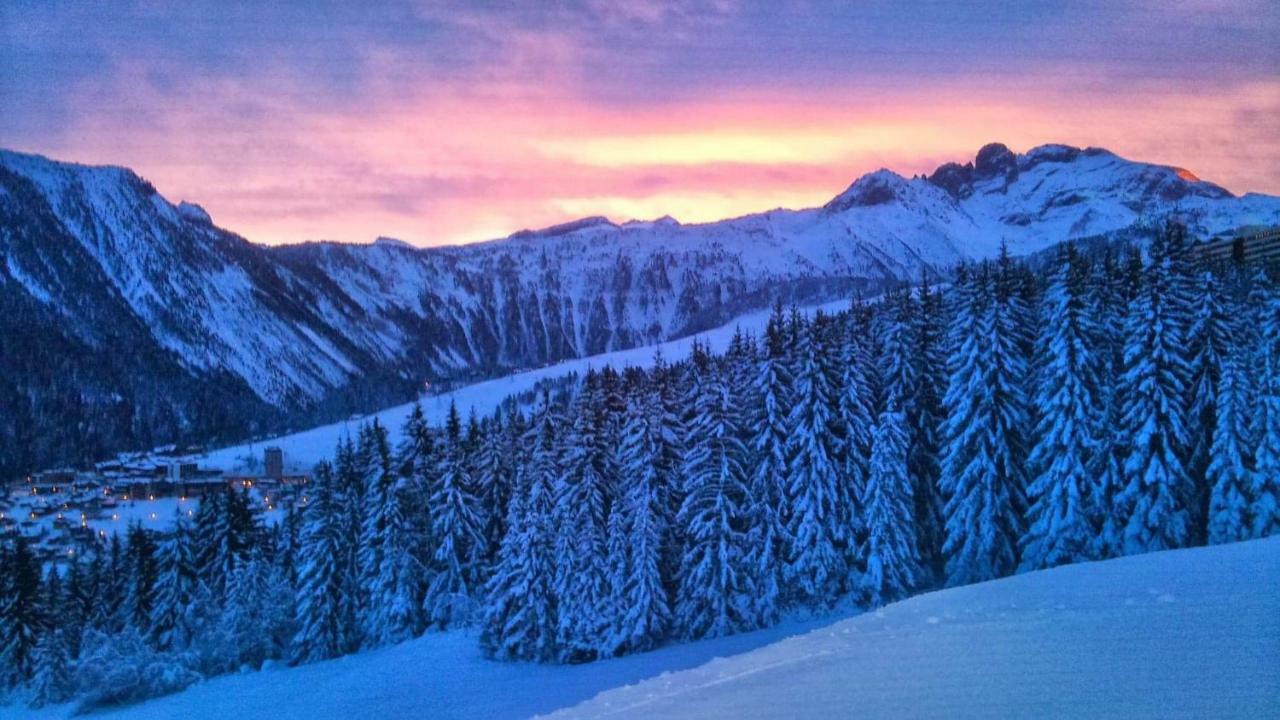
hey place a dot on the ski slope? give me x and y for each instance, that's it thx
(304, 449)
(1183, 634)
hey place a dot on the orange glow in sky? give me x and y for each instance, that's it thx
(445, 124)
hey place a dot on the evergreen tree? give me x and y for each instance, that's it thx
(893, 564)
(1064, 506)
(458, 531)
(815, 568)
(714, 596)
(1229, 473)
(582, 505)
(20, 612)
(51, 683)
(519, 619)
(376, 503)
(323, 631)
(925, 421)
(1153, 422)
(982, 471)
(1264, 505)
(643, 607)
(143, 573)
(853, 415)
(1206, 346)
(394, 606)
(765, 541)
(175, 587)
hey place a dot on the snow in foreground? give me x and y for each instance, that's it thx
(1182, 634)
(1188, 633)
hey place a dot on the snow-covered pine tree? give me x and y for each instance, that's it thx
(140, 598)
(815, 567)
(51, 682)
(853, 415)
(175, 587)
(581, 514)
(493, 471)
(644, 611)
(1230, 472)
(892, 561)
(19, 612)
(1107, 298)
(519, 619)
(1063, 520)
(451, 592)
(715, 592)
(395, 611)
(1153, 500)
(925, 421)
(765, 532)
(1264, 505)
(1206, 348)
(349, 488)
(376, 502)
(322, 622)
(982, 470)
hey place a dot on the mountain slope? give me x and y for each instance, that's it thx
(147, 323)
(1182, 634)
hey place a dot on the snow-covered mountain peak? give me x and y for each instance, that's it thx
(876, 188)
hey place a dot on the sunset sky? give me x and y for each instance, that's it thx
(445, 122)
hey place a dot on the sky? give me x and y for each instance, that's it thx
(454, 121)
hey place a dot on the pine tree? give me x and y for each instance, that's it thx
(982, 471)
(815, 568)
(175, 587)
(519, 619)
(375, 505)
(1264, 505)
(714, 591)
(1108, 302)
(457, 529)
(1206, 345)
(893, 564)
(323, 632)
(51, 683)
(925, 420)
(1064, 516)
(140, 599)
(582, 505)
(765, 541)
(1154, 425)
(643, 607)
(853, 415)
(1230, 474)
(20, 612)
(394, 606)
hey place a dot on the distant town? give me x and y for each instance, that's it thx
(66, 512)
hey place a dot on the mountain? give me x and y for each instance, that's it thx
(131, 321)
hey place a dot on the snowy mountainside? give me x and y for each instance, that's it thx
(1180, 634)
(95, 263)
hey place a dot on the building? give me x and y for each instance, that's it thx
(273, 462)
(1259, 245)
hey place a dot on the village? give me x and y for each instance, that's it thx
(66, 512)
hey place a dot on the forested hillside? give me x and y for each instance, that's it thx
(1021, 419)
